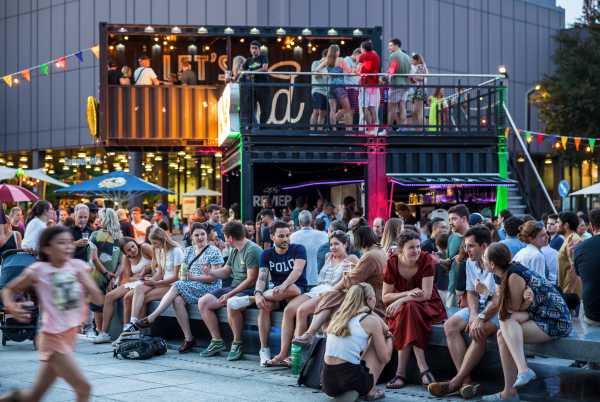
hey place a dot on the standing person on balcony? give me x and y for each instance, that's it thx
(419, 95)
(352, 83)
(257, 90)
(144, 74)
(187, 76)
(113, 73)
(126, 74)
(319, 92)
(399, 64)
(339, 104)
(368, 98)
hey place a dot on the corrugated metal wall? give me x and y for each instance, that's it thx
(460, 36)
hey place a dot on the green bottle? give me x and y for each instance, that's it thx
(296, 357)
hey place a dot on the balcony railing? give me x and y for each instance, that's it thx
(165, 115)
(285, 102)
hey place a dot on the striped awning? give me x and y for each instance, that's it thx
(447, 180)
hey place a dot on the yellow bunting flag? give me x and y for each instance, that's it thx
(26, 75)
(506, 132)
(96, 51)
(8, 80)
(563, 140)
(577, 141)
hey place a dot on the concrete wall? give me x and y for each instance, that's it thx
(455, 36)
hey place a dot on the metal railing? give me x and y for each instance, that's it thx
(323, 102)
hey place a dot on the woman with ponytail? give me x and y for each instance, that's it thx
(531, 311)
(37, 220)
(359, 345)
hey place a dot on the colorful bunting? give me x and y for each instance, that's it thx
(8, 80)
(506, 132)
(44, 69)
(26, 75)
(577, 141)
(61, 63)
(540, 138)
(592, 142)
(563, 141)
(79, 56)
(528, 136)
(96, 51)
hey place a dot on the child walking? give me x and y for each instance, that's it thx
(62, 284)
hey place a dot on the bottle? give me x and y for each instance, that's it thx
(296, 357)
(183, 272)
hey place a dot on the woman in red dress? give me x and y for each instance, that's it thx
(413, 304)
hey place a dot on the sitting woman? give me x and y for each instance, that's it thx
(167, 257)
(413, 304)
(534, 235)
(188, 289)
(359, 345)
(135, 264)
(531, 311)
(301, 307)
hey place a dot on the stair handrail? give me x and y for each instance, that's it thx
(529, 160)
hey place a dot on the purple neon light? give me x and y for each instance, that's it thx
(321, 183)
(445, 185)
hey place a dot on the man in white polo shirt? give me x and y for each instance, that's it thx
(144, 74)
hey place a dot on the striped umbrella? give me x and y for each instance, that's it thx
(10, 193)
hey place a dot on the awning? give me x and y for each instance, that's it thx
(450, 180)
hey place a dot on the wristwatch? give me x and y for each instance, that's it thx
(481, 316)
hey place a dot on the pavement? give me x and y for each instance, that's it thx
(172, 377)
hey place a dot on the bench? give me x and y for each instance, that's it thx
(582, 344)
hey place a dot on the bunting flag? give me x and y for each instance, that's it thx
(577, 141)
(44, 69)
(563, 141)
(540, 138)
(506, 132)
(592, 142)
(528, 136)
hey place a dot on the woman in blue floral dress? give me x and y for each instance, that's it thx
(532, 310)
(188, 289)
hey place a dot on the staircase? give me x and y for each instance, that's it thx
(516, 203)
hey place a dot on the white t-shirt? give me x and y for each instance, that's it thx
(33, 230)
(532, 258)
(312, 240)
(141, 227)
(168, 263)
(144, 76)
(485, 277)
(551, 256)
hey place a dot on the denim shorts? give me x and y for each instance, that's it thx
(464, 314)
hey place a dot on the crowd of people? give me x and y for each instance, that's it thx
(372, 290)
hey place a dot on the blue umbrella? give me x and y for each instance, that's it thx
(115, 185)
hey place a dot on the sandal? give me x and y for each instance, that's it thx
(304, 339)
(393, 384)
(375, 396)
(440, 389)
(428, 376)
(469, 391)
(143, 323)
(279, 363)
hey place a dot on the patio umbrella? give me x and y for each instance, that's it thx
(202, 192)
(10, 173)
(116, 186)
(10, 193)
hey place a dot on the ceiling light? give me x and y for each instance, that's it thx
(306, 32)
(202, 31)
(228, 31)
(357, 32)
(255, 31)
(332, 32)
(122, 29)
(280, 31)
(175, 30)
(149, 29)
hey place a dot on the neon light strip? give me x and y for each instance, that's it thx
(322, 183)
(445, 185)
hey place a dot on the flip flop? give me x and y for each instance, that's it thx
(427, 374)
(281, 363)
(469, 391)
(392, 384)
(375, 396)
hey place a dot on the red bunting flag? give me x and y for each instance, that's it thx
(26, 75)
(540, 138)
(577, 141)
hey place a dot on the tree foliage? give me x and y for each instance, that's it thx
(569, 101)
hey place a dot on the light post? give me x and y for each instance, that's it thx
(530, 92)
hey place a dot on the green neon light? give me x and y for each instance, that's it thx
(501, 192)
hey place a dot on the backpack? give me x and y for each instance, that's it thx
(137, 346)
(310, 374)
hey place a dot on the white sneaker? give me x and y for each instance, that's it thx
(238, 303)
(102, 337)
(265, 356)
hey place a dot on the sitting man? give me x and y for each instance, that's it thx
(284, 263)
(242, 265)
(479, 318)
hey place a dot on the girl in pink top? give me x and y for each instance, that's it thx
(62, 284)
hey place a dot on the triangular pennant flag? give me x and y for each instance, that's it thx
(26, 75)
(563, 140)
(577, 141)
(528, 136)
(96, 51)
(79, 56)
(506, 132)
(592, 142)
(540, 138)
(61, 63)
(8, 80)
(43, 69)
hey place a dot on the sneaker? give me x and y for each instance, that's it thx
(238, 303)
(525, 378)
(235, 353)
(91, 333)
(214, 348)
(130, 328)
(102, 337)
(498, 397)
(265, 356)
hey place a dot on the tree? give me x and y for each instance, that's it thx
(569, 101)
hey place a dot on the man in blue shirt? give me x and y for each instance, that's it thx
(556, 239)
(511, 226)
(214, 220)
(328, 214)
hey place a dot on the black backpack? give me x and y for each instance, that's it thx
(136, 346)
(310, 374)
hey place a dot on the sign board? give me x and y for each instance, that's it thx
(188, 206)
(564, 188)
